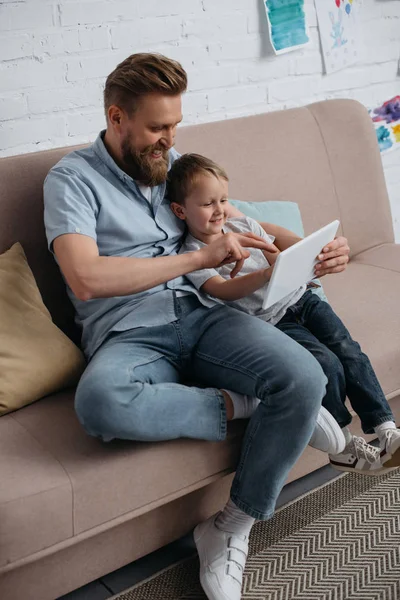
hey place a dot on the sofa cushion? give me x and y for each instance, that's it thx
(112, 479)
(36, 357)
(386, 256)
(35, 495)
(366, 298)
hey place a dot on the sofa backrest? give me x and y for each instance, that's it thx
(21, 220)
(323, 156)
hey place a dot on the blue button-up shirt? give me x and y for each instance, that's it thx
(87, 193)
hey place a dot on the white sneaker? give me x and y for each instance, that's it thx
(327, 436)
(222, 560)
(360, 457)
(390, 449)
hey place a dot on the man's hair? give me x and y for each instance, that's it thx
(184, 172)
(141, 74)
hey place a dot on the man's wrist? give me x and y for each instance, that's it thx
(196, 259)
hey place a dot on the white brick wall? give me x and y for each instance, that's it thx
(55, 55)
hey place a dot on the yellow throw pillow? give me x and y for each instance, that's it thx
(36, 357)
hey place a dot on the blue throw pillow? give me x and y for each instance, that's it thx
(285, 214)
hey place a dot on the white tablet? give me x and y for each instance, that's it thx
(295, 265)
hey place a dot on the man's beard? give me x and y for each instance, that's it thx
(141, 167)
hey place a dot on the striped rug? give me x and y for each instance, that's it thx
(339, 542)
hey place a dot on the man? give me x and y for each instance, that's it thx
(145, 327)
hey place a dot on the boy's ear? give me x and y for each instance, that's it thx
(178, 210)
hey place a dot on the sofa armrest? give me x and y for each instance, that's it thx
(385, 256)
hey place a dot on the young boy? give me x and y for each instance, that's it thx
(198, 191)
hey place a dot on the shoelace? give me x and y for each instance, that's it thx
(364, 450)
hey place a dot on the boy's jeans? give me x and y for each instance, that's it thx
(131, 389)
(314, 325)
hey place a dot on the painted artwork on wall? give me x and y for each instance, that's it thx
(386, 119)
(337, 20)
(287, 24)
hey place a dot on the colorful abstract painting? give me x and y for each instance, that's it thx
(386, 119)
(337, 21)
(287, 24)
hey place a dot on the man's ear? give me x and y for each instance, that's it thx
(178, 210)
(115, 116)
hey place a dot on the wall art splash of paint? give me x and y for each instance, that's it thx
(384, 141)
(389, 111)
(396, 132)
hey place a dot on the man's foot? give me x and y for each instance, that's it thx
(390, 448)
(222, 560)
(327, 435)
(360, 457)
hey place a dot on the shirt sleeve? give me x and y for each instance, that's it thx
(256, 228)
(69, 205)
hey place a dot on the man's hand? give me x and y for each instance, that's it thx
(334, 257)
(231, 248)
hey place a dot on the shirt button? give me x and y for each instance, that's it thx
(77, 230)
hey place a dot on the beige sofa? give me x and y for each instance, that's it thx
(73, 509)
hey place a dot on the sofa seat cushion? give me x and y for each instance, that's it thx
(366, 298)
(35, 494)
(110, 480)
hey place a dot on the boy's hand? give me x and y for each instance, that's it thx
(231, 248)
(334, 257)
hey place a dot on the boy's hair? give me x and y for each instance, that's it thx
(141, 74)
(184, 172)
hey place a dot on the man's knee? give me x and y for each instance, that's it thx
(97, 400)
(302, 379)
(91, 399)
(309, 379)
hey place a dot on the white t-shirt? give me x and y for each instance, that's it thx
(146, 191)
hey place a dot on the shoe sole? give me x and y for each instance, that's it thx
(394, 460)
(372, 473)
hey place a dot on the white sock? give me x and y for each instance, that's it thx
(243, 406)
(234, 520)
(348, 436)
(382, 428)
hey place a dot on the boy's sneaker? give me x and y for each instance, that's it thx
(327, 435)
(390, 449)
(360, 457)
(222, 560)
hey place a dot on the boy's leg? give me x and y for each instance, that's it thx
(335, 396)
(357, 456)
(362, 386)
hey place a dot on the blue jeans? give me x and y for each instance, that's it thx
(132, 390)
(313, 324)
